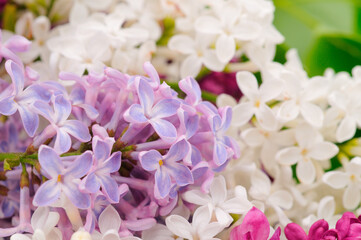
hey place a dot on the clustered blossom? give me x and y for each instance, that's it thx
(105, 134)
(130, 150)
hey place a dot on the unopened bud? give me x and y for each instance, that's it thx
(81, 234)
(24, 180)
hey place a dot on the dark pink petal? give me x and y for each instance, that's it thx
(276, 235)
(331, 234)
(294, 232)
(256, 224)
(318, 229)
(354, 230)
(343, 224)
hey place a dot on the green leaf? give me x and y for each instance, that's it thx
(339, 51)
(9, 17)
(308, 24)
(168, 31)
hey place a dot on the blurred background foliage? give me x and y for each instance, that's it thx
(326, 33)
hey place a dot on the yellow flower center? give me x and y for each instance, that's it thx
(59, 178)
(160, 162)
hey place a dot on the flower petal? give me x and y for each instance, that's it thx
(294, 232)
(351, 197)
(323, 151)
(162, 182)
(179, 226)
(312, 113)
(29, 118)
(146, 95)
(182, 43)
(182, 175)
(47, 193)
(177, 151)
(256, 223)
(306, 171)
(109, 188)
(135, 114)
(150, 159)
(109, 220)
(289, 156)
(8, 106)
(77, 129)
(91, 183)
(17, 75)
(191, 66)
(62, 142)
(164, 129)
(62, 109)
(79, 199)
(225, 48)
(242, 113)
(81, 165)
(50, 162)
(335, 179)
(218, 190)
(165, 108)
(346, 130)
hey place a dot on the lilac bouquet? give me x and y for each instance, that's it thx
(112, 157)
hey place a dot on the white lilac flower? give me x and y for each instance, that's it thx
(349, 179)
(256, 102)
(43, 223)
(310, 147)
(220, 204)
(201, 227)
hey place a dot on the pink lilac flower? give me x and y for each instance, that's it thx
(62, 179)
(16, 98)
(255, 226)
(220, 82)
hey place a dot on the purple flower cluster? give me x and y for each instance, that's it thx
(129, 141)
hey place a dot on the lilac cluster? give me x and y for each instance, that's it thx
(347, 227)
(129, 141)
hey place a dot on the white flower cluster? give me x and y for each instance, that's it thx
(178, 36)
(289, 128)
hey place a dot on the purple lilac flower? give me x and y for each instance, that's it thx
(167, 167)
(103, 165)
(149, 113)
(15, 98)
(13, 45)
(59, 124)
(62, 179)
